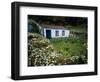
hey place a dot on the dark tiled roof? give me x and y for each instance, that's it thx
(53, 26)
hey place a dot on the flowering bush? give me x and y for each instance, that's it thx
(40, 51)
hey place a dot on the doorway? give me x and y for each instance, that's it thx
(48, 34)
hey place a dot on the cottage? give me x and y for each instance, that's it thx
(48, 31)
(53, 31)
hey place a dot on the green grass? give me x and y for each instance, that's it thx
(70, 47)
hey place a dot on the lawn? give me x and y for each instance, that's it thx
(71, 48)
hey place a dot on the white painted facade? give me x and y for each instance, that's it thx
(53, 32)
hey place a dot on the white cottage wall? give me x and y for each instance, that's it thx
(44, 32)
(67, 32)
(53, 32)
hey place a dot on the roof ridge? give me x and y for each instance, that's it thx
(53, 26)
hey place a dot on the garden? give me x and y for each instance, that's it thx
(70, 50)
(73, 49)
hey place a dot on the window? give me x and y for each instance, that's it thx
(57, 33)
(63, 33)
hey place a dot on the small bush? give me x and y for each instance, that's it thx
(40, 51)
